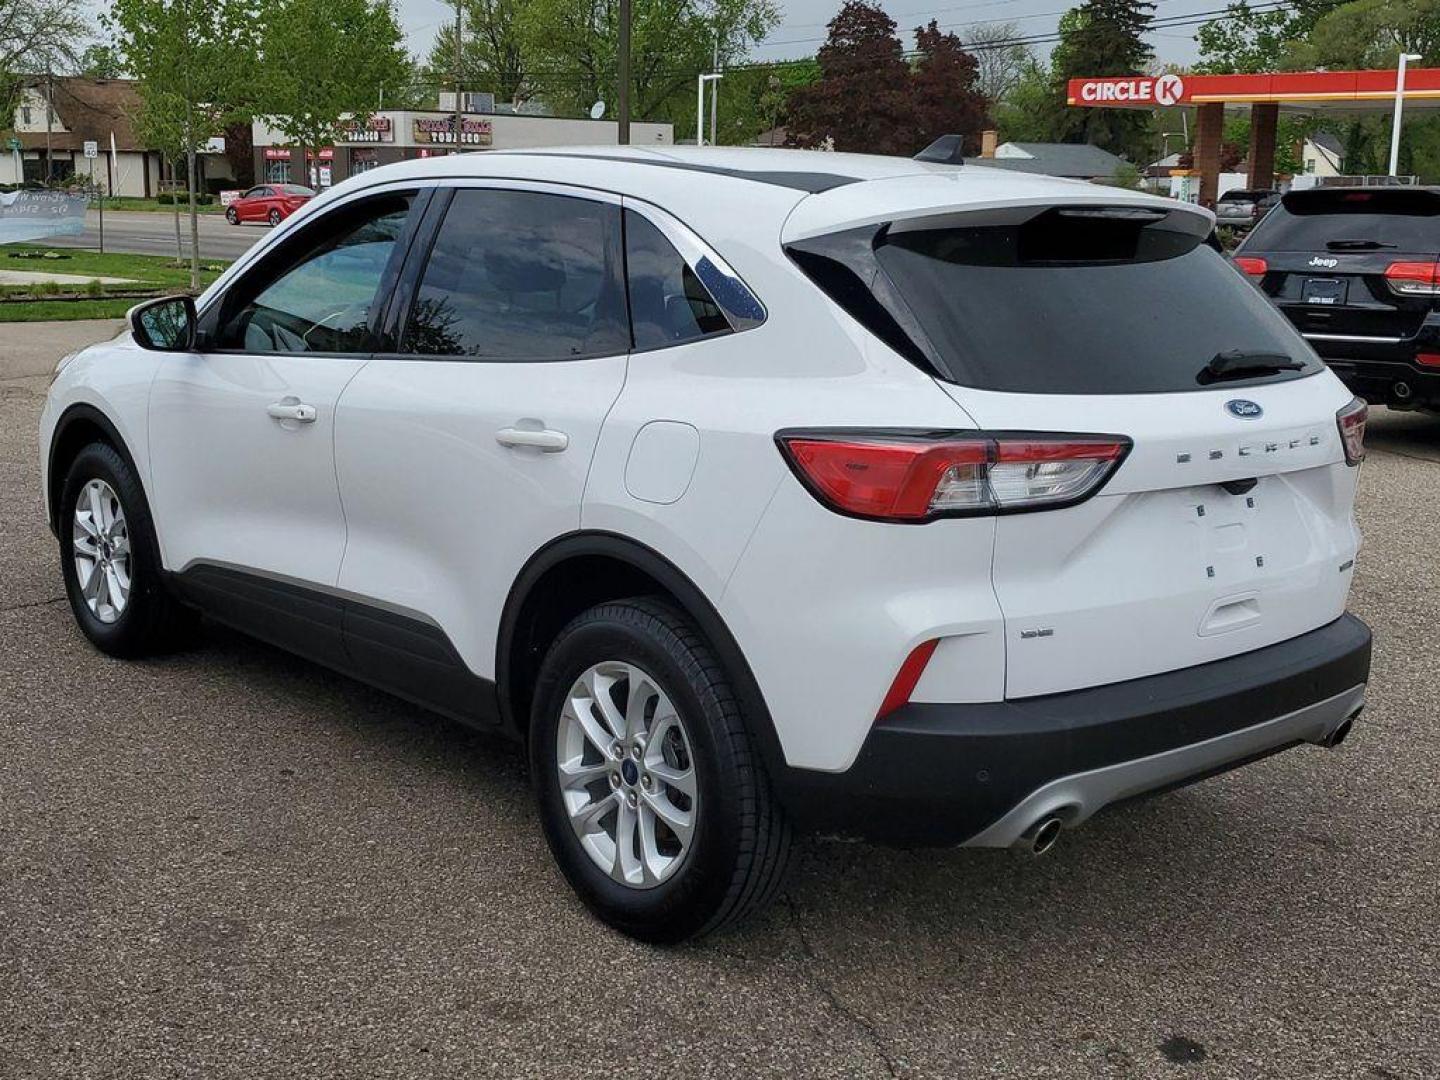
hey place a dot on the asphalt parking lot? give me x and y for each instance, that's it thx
(230, 863)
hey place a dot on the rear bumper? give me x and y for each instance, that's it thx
(1399, 381)
(982, 775)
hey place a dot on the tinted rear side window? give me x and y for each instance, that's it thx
(1068, 305)
(1308, 220)
(668, 303)
(521, 276)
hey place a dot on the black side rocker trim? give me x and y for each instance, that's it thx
(400, 654)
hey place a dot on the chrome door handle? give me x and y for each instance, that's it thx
(292, 410)
(550, 442)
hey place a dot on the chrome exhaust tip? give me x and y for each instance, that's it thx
(1041, 836)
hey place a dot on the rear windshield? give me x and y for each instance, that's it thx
(1070, 305)
(1308, 220)
(296, 189)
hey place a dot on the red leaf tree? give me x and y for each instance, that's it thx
(870, 99)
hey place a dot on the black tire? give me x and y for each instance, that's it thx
(152, 621)
(274, 218)
(741, 845)
(231, 216)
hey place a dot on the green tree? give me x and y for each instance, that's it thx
(194, 62)
(36, 37)
(1104, 37)
(753, 99)
(1032, 111)
(1000, 56)
(1254, 39)
(324, 62)
(494, 58)
(571, 45)
(1369, 34)
(102, 62)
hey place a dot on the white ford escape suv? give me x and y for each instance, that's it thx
(757, 490)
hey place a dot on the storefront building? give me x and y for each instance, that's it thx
(402, 135)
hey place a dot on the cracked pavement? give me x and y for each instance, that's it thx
(231, 863)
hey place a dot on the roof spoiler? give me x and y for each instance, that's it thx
(946, 150)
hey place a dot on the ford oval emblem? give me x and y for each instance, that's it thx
(1244, 410)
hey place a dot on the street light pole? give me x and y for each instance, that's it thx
(1405, 58)
(700, 105)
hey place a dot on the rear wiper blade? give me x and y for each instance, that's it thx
(1356, 245)
(1239, 364)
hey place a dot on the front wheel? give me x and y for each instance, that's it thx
(232, 216)
(110, 560)
(652, 798)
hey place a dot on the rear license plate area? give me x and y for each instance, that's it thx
(1324, 291)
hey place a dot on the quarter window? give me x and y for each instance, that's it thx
(521, 276)
(668, 304)
(322, 301)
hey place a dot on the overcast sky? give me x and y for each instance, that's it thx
(803, 28)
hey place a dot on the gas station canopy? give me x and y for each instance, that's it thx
(1294, 91)
(1265, 95)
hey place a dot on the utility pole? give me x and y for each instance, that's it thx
(622, 92)
(1405, 58)
(459, 67)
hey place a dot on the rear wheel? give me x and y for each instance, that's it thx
(110, 560)
(652, 798)
(274, 217)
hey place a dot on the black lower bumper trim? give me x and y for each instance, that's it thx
(939, 774)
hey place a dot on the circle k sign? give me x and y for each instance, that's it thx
(1164, 90)
(1169, 89)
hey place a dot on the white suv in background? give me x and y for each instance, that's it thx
(757, 490)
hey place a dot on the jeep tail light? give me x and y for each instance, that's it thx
(916, 477)
(1251, 265)
(1351, 422)
(1414, 278)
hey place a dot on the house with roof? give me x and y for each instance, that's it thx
(56, 116)
(1075, 161)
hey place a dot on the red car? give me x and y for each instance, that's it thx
(268, 202)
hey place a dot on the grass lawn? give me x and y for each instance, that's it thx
(157, 273)
(126, 202)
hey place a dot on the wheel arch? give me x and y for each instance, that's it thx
(594, 567)
(78, 426)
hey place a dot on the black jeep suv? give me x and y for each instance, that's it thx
(1357, 270)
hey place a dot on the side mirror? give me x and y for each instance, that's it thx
(166, 325)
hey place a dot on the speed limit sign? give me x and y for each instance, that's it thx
(92, 148)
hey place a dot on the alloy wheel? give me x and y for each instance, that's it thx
(627, 774)
(100, 539)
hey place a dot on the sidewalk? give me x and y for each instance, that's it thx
(29, 349)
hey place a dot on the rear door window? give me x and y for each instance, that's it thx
(1386, 218)
(521, 276)
(1070, 304)
(668, 303)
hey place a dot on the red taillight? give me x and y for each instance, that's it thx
(1251, 266)
(1428, 359)
(906, 678)
(1351, 422)
(917, 477)
(1414, 278)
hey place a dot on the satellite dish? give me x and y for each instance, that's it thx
(597, 110)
